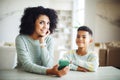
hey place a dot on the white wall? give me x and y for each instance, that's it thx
(10, 14)
(61, 4)
(103, 30)
(107, 28)
(90, 9)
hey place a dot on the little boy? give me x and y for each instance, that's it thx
(82, 59)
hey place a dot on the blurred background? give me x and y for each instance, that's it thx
(102, 16)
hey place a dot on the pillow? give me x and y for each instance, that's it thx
(115, 44)
(9, 44)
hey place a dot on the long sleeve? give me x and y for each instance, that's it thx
(73, 67)
(31, 57)
(88, 61)
(68, 56)
(47, 54)
(91, 63)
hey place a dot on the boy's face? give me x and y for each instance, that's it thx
(83, 39)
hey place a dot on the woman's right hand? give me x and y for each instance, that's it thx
(55, 71)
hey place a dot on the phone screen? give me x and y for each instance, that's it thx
(63, 63)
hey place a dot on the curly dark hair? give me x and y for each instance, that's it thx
(27, 25)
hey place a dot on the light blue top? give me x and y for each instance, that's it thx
(32, 57)
(89, 61)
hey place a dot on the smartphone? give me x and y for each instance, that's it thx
(63, 63)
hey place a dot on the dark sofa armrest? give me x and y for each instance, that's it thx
(113, 57)
(102, 57)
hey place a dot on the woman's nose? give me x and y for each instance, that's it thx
(45, 25)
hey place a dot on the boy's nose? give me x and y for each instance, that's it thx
(80, 38)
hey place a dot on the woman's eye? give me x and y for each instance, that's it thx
(48, 23)
(41, 22)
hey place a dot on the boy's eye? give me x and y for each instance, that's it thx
(84, 37)
(78, 36)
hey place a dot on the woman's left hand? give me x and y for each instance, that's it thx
(41, 39)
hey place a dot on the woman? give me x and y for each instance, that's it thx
(34, 44)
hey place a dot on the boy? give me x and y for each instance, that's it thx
(82, 59)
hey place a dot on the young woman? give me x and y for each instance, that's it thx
(34, 45)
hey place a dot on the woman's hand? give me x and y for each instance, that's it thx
(41, 39)
(55, 71)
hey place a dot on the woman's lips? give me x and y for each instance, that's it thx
(43, 31)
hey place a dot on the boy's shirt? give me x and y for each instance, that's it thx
(88, 61)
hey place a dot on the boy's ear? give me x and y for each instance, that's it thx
(91, 40)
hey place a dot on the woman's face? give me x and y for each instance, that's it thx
(42, 25)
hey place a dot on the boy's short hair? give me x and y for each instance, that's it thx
(85, 28)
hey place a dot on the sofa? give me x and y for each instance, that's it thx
(109, 54)
(8, 56)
